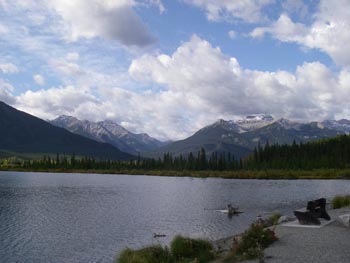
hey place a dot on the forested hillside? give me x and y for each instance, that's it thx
(327, 153)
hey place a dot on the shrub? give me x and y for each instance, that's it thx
(145, 255)
(253, 241)
(340, 201)
(183, 250)
(273, 219)
(187, 249)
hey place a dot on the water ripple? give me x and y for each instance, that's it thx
(90, 218)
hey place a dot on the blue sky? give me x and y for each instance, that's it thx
(170, 67)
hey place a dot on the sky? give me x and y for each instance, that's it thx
(170, 67)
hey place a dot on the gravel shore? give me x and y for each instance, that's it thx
(329, 244)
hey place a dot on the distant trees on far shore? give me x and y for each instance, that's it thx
(331, 153)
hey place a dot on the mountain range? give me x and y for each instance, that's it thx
(109, 132)
(23, 133)
(240, 137)
(237, 137)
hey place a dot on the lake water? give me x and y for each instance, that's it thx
(46, 217)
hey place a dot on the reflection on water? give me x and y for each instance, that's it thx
(89, 218)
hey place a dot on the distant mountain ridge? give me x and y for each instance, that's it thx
(237, 137)
(23, 133)
(109, 132)
(342, 125)
(213, 138)
(240, 137)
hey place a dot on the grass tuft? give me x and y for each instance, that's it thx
(273, 219)
(150, 254)
(183, 250)
(187, 249)
(340, 201)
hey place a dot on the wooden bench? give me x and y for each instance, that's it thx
(314, 210)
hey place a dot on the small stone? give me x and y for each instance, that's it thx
(345, 219)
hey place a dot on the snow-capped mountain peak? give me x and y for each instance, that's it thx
(286, 124)
(256, 118)
(253, 122)
(342, 125)
(227, 125)
(110, 132)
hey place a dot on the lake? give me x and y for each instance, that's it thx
(47, 217)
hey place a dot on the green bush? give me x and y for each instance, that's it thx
(187, 249)
(273, 219)
(151, 254)
(341, 201)
(253, 241)
(183, 250)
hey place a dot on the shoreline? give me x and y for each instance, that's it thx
(319, 174)
(304, 242)
(326, 244)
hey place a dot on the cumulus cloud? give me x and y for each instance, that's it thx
(284, 29)
(66, 67)
(201, 86)
(73, 56)
(54, 101)
(295, 7)
(157, 3)
(3, 29)
(222, 87)
(6, 90)
(154, 113)
(71, 71)
(85, 19)
(8, 68)
(329, 32)
(193, 96)
(113, 20)
(232, 34)
(250, 11)
(40, 80)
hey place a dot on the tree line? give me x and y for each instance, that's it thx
(199, 161)
(331, 153)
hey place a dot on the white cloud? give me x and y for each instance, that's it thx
(40, 80)
(284, 29)
(232, 34)
(71, 71)
(157, 3)
(73, 56)
(54, 101)
(250, 11)
(3, 29)
(220, 87)
(113, 20)
(66, 68)
(85, 19)
(8, 68)
(329, 32)
(194, 96)
(6, 90)
(296, 7)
